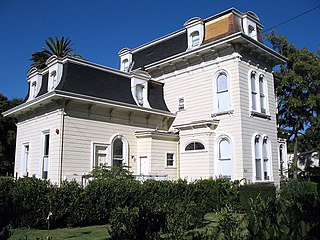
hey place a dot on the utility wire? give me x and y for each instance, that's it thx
(290, 19)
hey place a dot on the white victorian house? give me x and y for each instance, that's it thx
(196, 103)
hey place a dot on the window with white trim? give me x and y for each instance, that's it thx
(45, 155)
(282, 159)
(53, 79)
(34, 89)
(194, 146)
(181, 104)
(195, 39)
(258, 93)
(25, 159)
(262, 158)
(225, 163)
(100, 152)
(119, 151)
(170, 160)
(125, 64)
(222, 91)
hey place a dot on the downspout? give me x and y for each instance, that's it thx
(179, 155)
(61, 140)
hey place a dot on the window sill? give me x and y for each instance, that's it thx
(194, 151)
(260, 115)
(231, 111)
(264, 181)
(170, 167)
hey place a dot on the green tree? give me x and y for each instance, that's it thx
(298, 92)
(7, 136)
(59, 47)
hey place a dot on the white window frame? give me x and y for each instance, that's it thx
(140, 94)
(173, 160)
(260, 158)
(229, 158)
(95, 152)
(25, 157)
(125, 150)
(45, 156)
(194, 150)
(195, 39)
(125, 64)
(217, 95)
(283, 159)
(258, 93)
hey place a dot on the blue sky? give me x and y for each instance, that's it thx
(99, 29)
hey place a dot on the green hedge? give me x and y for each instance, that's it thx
(251, 191)
(27, 202)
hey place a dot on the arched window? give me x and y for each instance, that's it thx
(193, 146)
(195, 39)
(225, 163)
(254, 93)
(258, 92)
(262, 158)
(119, 151)
(262, 94)
(222, 91)
(125, 64)
(140, 94)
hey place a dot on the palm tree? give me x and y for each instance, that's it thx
(59, 47)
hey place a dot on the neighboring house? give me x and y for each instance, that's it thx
(196, 103)
(306, 160)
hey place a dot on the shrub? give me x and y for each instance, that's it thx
(6, 187)
(31, 202)
(215, 194)
(67, 205)
(181, 217)
(103, 195)
(135, 223)
(251, 191)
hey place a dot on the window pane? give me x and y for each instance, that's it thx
(253, 82)
(223, 100)
(257, 148)
(222, 82)
(194, 146)
(224, 149)
(117, 152)
(258, 169)
(225, 169)
(170, 159)
(198, 146)
(195, 39)
(139, 94)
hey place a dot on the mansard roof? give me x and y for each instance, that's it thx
(216, 28)
(91, 81)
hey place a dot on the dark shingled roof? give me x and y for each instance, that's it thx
(155, 96)
(93, 82)
(90, 81)
(161, 50)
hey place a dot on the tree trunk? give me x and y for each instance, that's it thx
(295, 158)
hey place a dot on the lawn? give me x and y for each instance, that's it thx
(83, 233)
(80, 233)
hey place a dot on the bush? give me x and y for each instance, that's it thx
(135, 223)
(104, 195)
(67, 205)
(215, 194)
(251, 191)
(6, 187)
(31, 202)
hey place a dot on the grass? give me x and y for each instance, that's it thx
(85, 233)
(80, 233)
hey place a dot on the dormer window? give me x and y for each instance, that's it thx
(34, 89)
(125, 64)
(54, 80)
(195, 39)
(139, 94)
